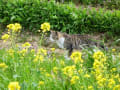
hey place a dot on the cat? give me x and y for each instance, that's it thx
(75, 41)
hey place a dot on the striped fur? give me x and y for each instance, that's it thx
(75, 41)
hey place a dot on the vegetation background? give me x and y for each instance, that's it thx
(62, 17)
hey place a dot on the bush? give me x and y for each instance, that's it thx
(62, 17)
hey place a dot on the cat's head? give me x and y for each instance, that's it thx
(55, 35)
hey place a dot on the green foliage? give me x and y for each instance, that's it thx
(22, 68)
(62, 17)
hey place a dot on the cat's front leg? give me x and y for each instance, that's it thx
(69, 47)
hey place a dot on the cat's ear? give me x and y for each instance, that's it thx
(52, 31)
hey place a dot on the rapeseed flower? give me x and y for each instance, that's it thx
(47, 74)
(87, 76)
(113, 50)
(111, 82)
(39, 58)
(5, 37)
(98, 55)
(76, 57)
(101, 81)
(3, 65)
(41, 83)
(80, 71)
(11, 52)
(27, 45)
(23, 51)
(69, 70)
(90, 88)
(42, 51)
(17, 26)
(14, 86)
(74, 79)
(62, 62)
(55, 69)
(10, 26)
(45, 27)
(52, 49)
(116, 87)
(32, 50)
(14, 27)
(113, 69)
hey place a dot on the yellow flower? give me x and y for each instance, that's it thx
(47, 74)
(111, 82)
(116, 87)
(52, 49)
(42, 51)
(74, 79)
(23, 51)
(76, 54)
(3, 65)
(80, 71)
(41, 58)
(5, 37)
(69, 70)
(62, 62)
(27, 44)
(90, 87)
(11, 51)
(116, 76)
(41, 83)
(98, 55)
(87, 76)
(38, 57)
(45, 27)
(10, 26)
(76, 57)
(32, 50)
(14, 86)
(113, 69)
(55, 69)
(18, 26)
(113, 50)
(14, 27)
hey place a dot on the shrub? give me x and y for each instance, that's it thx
(62, 17)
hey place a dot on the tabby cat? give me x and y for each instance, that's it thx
(71, 42)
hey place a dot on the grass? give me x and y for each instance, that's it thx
(22, 67)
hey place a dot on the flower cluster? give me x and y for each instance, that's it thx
(99, 67)
(74, 79)
(14, 27)
(3, 65)
(12, 30)
(76, 57)
(40, 55)
(5, 37)
(26, 44)
(45, 27)
(14, 86)
(69, 70)
(41, 83)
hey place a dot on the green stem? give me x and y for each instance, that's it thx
(41, 39)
